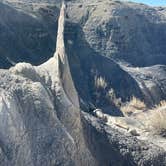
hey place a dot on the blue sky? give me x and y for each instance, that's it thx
(152, 2)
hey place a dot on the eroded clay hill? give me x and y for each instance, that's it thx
(132, 35)
(47, 111)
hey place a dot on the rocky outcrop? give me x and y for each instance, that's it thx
(151, 81)
(41, 122)
(25, 36)
(127, 31)
(117, 30)
(123, 32)
(127, 150)
(56, 102)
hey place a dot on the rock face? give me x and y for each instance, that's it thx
(42, 116)
(41, 121)
(151, 81)
(99, 26)
(24, 34)
(131, 35)
(128, 31)
(95, 32)
(127, 150)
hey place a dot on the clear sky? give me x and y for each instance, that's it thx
(152, 2)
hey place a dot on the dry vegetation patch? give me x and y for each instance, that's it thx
(132, 106)
(100, 82)
(157, 119)
(154, 119)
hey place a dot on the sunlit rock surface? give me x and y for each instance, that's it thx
(41, 122)
(130, 34)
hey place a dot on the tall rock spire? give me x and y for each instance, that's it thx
(63, 65)
(60, 45)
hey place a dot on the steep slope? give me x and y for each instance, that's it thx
(24, 37)
(127, 31)
(98, 80)
(131, 34)
(42, 124)
(50, 124)
(151, 80)
(42, 131)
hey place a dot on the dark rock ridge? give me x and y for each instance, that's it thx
(88, 66)
(127, 31)
(25, 37)
(111, 141)
(98, 28)
(151, 81)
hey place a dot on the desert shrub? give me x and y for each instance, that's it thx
(100, 82)
(132, 106)
(113, 98)
(157, 119)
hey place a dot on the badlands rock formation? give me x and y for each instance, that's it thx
(22, 33)
(125, 31)
(131, 34)
(41, 117)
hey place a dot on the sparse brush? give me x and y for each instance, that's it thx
(132, 106)
(113, 98)
(137, 103)
(100, 82)
(161, 104)
(157, 119)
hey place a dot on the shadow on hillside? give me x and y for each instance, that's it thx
(86, 65)
(25, 38)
